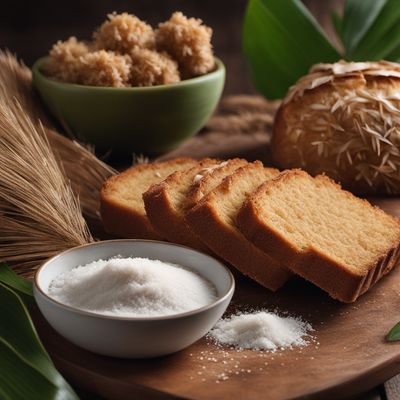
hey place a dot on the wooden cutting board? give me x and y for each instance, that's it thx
(347, 355)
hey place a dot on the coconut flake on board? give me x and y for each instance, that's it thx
(261, 330)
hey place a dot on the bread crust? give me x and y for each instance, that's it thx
(295, 144)
(122, 221)
(231, 245)
(340, 282)
(125, 220)
(203, 186)
(164, 217)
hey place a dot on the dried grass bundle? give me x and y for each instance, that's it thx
(39, 214)
(84, 170)
(42, 175)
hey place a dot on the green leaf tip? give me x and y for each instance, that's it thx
(11, 279)
(394, 334)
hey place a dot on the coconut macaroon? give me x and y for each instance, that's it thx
(123, 32)
(64, 56)
(150, 68)
(344, 119)
(124, 53)
(188, 41)
(104, 68)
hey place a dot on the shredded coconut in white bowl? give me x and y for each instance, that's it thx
(132, 287)
(261, 330)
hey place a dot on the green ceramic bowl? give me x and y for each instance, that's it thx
(149, 120)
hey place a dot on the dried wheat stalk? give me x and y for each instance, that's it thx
(84, 170)
(39, 214)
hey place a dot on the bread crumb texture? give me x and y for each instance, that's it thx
(315, 213)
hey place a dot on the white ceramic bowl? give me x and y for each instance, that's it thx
(133, 337)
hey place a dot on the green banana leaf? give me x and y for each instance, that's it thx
(358, 17)
(394, 334)
(10, 278)
(382, 40)
(20, 380)
(337, 22)
(281, 40)
(27, 371)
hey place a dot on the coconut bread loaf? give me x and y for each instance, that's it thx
(121, 204)
(213, 220)
(164, 202)
(342, 120)
(335, 240)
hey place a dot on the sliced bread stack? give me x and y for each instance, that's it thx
(167, 202)
(265, 223)
(213, 219)
(121, 204)
(339, 242)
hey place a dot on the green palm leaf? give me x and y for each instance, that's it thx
(20, 380)
(281, 40)
(394, 334)
(358, 17)
(11, 279)
(382, 39)
(24, 363)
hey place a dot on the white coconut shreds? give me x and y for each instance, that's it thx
(132, 287)
(261, 330)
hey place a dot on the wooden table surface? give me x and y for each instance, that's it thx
(390, 390)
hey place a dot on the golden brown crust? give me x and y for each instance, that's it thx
(210, 180)
(161, 209)
(128, 219)
(123, 222)
(333, 277)
(227, 242)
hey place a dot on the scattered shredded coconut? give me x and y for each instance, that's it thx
(261, 330)
(132, 287)
(208, 170)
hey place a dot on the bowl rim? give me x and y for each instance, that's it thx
(186, 82)
(219, 299)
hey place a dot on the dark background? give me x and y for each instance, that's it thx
(29, 28)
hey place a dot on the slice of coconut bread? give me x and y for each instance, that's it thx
(205, 183)
(213, 220)
(339, 242)
(164, 202)
(121, 204)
